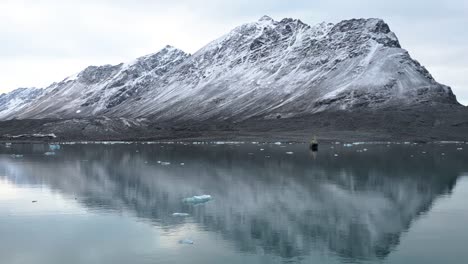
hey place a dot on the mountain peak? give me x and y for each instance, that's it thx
(266, 18)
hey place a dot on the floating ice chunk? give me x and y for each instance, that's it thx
(180, 214)
(336, 155)
(459, 149)
(16, 156)
(78, 111)
(289, 153)
(267, 157)
(186, 241)
(262, 149)
(8, 145)
(364, 150)
(49, 153)
(165, 163)
(182, 164)
(277, 143)
(347, 145)
(53, 147)
(198, 199)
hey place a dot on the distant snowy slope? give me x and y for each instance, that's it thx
(265, 69)
(17, 99)
(96, 89)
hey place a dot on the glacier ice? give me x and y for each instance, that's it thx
(198, 199)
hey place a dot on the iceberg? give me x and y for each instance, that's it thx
(198, 199)
(53, 147)
(186, 241)
(180, 214)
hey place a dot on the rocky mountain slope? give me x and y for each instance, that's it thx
(15, 100)
(266, 69)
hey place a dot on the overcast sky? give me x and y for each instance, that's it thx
(42, 41)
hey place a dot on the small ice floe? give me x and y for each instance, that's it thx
(336, 155)
(459, 149)
(443, 154)
(54, 147)
(49, 153)
(364, 150)
(182, 164)
(165, 163)
(289, 153)
(198, 199)
(262, 149)
(159, 162)
(180, 214)
(267, 157)
(424, 152)
(16, 156)
(347, 145)
(8, 145)
(186, 241)
(78, 111)
(277, 143)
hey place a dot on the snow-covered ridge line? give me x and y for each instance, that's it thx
(263, 69)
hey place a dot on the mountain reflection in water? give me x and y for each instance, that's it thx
(355, 205)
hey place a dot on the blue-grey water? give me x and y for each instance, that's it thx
(372, 203)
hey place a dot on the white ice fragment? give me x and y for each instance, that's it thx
(53, 147)
(16, 156)
(186, 241)
(336, 155)
(181, 214)
(347, 145)
(277, 143)
(459, 149)
(49, 153)
(262, 149)
(198, 199)
(289, 153)
(78, 111)
(182, 164)
(165, 163)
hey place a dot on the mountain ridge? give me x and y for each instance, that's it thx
(262, 70)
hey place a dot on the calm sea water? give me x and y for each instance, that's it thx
(115, 203)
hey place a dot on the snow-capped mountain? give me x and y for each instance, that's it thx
(265, 69)
(17, 99)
